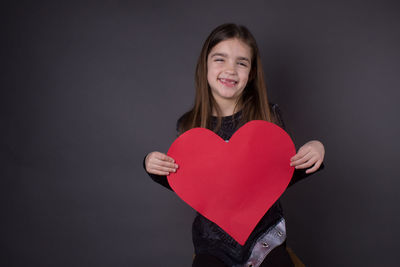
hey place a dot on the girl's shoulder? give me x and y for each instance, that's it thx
(273, 105)
(181, 119)
(277, 114)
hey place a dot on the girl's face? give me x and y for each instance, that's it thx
(228, 68)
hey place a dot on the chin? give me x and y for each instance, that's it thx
(228, 93)
(227, 96)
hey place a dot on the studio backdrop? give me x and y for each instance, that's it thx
(89, 88)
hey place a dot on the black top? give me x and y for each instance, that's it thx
(209, 238)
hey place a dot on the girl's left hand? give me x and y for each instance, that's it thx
(311, 153)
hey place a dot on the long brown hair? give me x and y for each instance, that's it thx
(253, 100)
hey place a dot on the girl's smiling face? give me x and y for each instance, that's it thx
(228, 68)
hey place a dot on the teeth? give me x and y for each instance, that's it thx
(228, 81)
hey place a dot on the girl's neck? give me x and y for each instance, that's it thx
(226, 110)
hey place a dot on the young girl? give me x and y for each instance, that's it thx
(230, 91)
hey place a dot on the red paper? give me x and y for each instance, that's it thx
(233, 183)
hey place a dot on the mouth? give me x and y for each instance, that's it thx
(227, 82)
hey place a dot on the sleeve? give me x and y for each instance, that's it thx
(298, 174)
(161, 179)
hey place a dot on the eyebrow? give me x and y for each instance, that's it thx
(225, 55)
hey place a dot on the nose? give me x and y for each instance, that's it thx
(231, 68)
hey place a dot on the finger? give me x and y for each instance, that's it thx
(316, 167)
(164, 157)
(165, 169)
(301, 153)
(165, 164)
(162, 169)
(307, 164)
(302, 160)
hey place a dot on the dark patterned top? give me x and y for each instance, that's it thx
(209, 238)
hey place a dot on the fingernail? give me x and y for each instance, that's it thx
(176, 165)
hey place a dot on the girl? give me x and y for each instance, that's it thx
(230, 91)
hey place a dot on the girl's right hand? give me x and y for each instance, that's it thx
(159, 163)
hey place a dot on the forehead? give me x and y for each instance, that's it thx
(232, 47)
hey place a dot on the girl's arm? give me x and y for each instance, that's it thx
(161, 159)
(161, 179)
(311, 153)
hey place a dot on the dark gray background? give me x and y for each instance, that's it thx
(88, 89)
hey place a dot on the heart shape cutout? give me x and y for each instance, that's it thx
(233, 183)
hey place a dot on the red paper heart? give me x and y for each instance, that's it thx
(233, 183)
